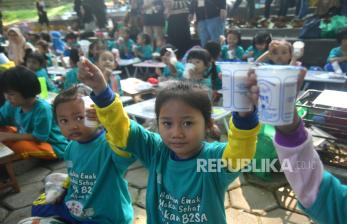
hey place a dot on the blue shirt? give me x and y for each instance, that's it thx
(39, 122)
(98, 190)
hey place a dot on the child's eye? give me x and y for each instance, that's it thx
(80, 118)
(63, 121)
(187, 123)
(166, 123)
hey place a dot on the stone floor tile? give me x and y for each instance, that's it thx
(241, 180)
(137, 164)
(137, 178)
(140, 215)
(226, 200)
(54, 165)
(25, 197)
(22, 166)
(279, 216)
(33, 175)
(277, 180)
(287, 200)
(134, 194)
(141, 200)
(237, 216)
(252, 199)
(3, 213)
(18, 215)
(61, 170)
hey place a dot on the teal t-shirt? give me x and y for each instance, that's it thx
(71, 78)
(256, 53)
(118, 87)
(331, 202)
(39, 122)
(50, 86)
(237, 54)
(146, 51)
(179, 71)
(98, 190)
(177, 192)
(335, 52)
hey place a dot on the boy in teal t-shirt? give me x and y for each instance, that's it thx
(71, 75)
(232, 50)
(173, 69)
(98, 191)
(144, 48)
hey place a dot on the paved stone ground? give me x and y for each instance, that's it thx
(249, 200)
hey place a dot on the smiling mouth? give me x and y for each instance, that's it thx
(75, 135)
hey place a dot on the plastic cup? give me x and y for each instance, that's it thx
(234, 76)
(298, 49)
(88, 104)
(188, 67)
(84, 46)
(277, 93)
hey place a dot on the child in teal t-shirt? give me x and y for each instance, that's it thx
(106, 63)
(173, 69)
(125, 44)
(98, 191)
(180, 188)
(144, 48)
(232, 51)
(35, 62)
(43, 48)
(71, 75)
(36, 133)
(260, 45)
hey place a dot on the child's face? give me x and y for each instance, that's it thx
(280, 55)
(106, 61)
(15, 98)
(140, 40)
(97, 49)
(199, 68)
(70, 117)
(260, 47)
(181, 127)
(13, 36)
(33, 64)
(232, 39)
(124, 34)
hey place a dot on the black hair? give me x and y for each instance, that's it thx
(200, 53)
(262, 38)
(45, 36)
(38, 57)
(22, 80)
(214, 49)
(163, 50)
(70, 35)
(147, 38)
(73, 93)
(74, 55)
(44, 44)
(190, 93)
(341, 34)
(98, 42)
(237, 34)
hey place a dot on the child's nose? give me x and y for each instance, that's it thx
(177, 131)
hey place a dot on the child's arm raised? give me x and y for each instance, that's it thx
(243, 132)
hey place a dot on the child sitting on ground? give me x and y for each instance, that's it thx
(42, 47)
(280, 53)
(232, 51)
(144, 48)
(173, 69)
(71, 75)
(260, 45)
(35, 132)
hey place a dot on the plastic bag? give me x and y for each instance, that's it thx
(329, 29)
(55, 186)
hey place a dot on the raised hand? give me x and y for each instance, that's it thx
(91, 75)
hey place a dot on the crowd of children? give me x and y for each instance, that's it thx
(99, 156)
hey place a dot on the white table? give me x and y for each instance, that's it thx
(57, 70)
(134, 86)
(128, 62)
(148, 64)
(145, 110)
(324, 77)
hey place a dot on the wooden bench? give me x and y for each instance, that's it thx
(7, 156)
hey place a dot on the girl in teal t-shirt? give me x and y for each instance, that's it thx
(144, 48)
(71, 75)
(232, 51)
(34, 132)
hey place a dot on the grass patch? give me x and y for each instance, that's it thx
(14, 16)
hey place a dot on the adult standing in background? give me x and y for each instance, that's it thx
(210, 15)
(42, 13)
(18, 47)
(178, 29)
(153, 18)
(98, 9)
